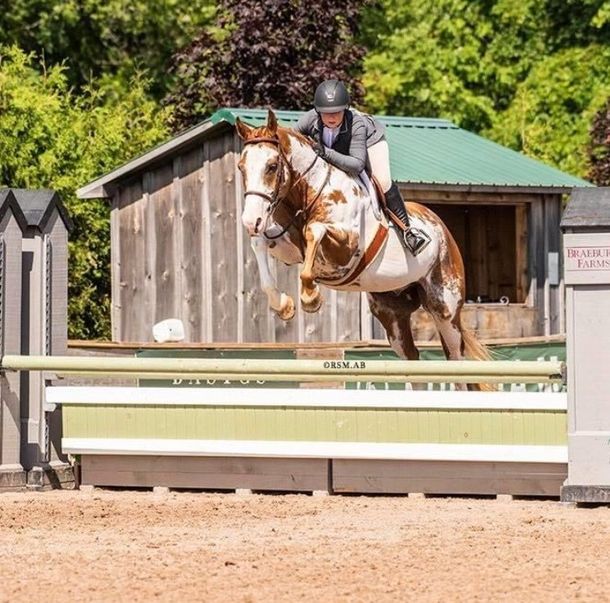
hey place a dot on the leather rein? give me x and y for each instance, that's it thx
(274, 199)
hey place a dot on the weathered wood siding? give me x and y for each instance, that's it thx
(223, 240)
(161, 245)
(131, 304)
(179, 251)
(554, 308)
(188, 185)
(287, 475)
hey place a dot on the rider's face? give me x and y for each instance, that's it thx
(332, 120)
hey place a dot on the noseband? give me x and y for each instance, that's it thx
(274, 199)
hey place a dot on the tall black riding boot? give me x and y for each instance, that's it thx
(412, 238)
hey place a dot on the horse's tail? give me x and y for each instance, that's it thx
(475, 350)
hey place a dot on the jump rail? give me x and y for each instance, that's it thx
(304, 439)
(420, 371)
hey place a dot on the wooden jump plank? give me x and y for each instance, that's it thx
(293, 475)
(447, 477)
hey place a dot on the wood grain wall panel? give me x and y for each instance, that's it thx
(223, 240)
(190, 216)
(162, 204)
(131, 289)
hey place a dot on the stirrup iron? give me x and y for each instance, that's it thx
(415, 240)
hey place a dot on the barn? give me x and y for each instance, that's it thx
(179, 250)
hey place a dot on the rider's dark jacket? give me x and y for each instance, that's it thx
(358, 131)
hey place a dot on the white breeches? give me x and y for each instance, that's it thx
(379, 156)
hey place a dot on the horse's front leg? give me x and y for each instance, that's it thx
(338, 246)
(279, 301)
(311, 298)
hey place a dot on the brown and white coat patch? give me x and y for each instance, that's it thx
(329, 220)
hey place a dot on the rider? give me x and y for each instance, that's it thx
(353, 142)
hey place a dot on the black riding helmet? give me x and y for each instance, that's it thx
(331, 96)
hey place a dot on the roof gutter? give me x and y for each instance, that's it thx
(492, 188)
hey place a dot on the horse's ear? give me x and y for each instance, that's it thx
(243, 129)
(272, 122)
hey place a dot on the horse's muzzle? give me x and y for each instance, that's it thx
(253, 229)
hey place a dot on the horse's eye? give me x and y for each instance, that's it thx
(272, 167)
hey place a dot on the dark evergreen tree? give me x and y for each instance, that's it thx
(271, 53)
(599, 147)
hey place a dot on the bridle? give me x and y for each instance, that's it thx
(274, 199)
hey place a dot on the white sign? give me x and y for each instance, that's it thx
(587, 258)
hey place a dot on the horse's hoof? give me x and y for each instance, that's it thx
(312, 304)
(287, 311)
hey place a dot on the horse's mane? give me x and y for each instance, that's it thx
(300, 137)
(264, 132)
(283, 133)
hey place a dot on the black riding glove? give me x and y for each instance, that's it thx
(320, 149)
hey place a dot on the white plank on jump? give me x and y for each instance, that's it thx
(331, 450)
(316, 398)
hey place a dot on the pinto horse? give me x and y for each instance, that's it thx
(300, 209)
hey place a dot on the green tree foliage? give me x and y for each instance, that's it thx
(551, 113)
(266, 53)
(529, 73)
(51, 138)
(599, 147)
(113, 39)
(453, 58)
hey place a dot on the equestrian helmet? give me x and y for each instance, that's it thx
(331, 97)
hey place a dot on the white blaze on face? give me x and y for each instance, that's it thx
(254, 162)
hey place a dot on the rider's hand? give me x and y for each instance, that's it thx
(320, 149)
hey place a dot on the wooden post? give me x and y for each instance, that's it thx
(12, 224)
(44, 319)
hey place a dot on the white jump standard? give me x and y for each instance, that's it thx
(586, 224)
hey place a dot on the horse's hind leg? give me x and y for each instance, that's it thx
(445, 305)
(394, 311)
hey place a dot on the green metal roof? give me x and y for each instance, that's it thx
(435, 151)
(424, 152)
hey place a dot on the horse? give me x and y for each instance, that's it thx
(299, 208)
